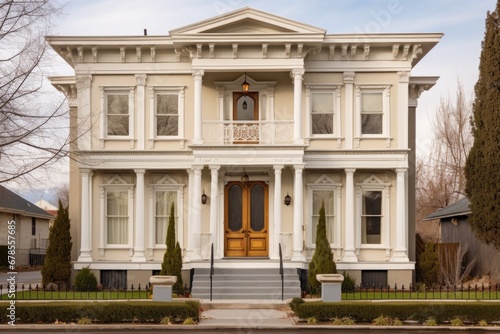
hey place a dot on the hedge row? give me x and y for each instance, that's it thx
(101, 312)
(419, 311)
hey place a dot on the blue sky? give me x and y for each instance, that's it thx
(455, 57)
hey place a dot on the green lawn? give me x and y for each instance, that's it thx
(371, 295)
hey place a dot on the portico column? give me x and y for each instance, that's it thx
(214, 203)
(140, 109)
(349, 255)
(277, 209)
(85, 228)
(139, 218)
(197, 75)
(297, 105)
(400, 253)
(349, 110)
(195, 224)
(190, 237)
(298, 212)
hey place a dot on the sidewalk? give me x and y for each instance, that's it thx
(246, 314)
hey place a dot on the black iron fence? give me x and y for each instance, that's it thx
(470, 292)
(54, 292)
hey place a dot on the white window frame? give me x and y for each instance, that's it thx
(324, 183)
(385, 91)
(153, 93)
(335, 90)
(167, 183)
(130, 91)
(120, 184)
(373, 183)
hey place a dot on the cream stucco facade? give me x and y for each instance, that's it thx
(162, 119)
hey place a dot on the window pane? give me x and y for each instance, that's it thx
(167, 125)
(327, 197)
(322, 124)
(322, 113)
(118, 125)
(117, 104)
(371, 124)
(117, 230)
(257, 219)
(322, 103)
(372, 203)
(371, 102)
(117, 203)
(235, 222)
(164, 200)
(167, 104)
(372, 217)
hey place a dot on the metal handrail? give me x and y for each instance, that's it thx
(282, 275)
(212, 270)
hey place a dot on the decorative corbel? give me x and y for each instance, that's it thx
(332, 52)
(94, 53)
(406, 48)
(417, 49)
(353, 50)
(80, 53)
(344, 51)
(153, 53)
(122, 53)
(300, 48)
(138, 53)
(395, 51)
(211, 48)
(199, 49)
(264, 50)
(366, 51)
(235, 50)
(288, 47)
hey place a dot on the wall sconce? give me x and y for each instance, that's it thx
(287, 200)
(245, 105)
(203, 198)
(244, 179)
(245, 87)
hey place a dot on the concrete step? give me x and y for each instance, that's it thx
(245, 283)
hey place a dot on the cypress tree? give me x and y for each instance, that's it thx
(172, 259)
(57, 264)
(322, 260)
(482, 170)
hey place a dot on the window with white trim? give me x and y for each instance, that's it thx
(371, 217)
(372, 210)
(117, 105)
(323, 118)
(164, 199)
(323, 190)
(373, 112)
(167, 110)
(117, 216)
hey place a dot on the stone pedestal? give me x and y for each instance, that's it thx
(162, 287)
(331, 287)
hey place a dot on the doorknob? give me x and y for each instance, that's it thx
(244, 231)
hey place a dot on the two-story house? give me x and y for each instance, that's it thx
(247, 122)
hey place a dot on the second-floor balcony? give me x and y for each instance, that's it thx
(248, 132)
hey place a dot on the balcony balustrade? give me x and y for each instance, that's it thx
(248, 132)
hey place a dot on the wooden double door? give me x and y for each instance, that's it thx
(246, 219)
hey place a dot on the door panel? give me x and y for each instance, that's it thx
(246, 219)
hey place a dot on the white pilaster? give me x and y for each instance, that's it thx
(297, 74)
(349, 109)
(277, 210)
(400, 251)
(84, 120)
(197, 75)
(139, 218)
(85, 228)
(298, 214)
(404, 79)
(214, 203)
(140, 110)
(349, 255)
(196, 214)
(190, 236)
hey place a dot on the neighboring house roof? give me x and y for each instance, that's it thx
(459, 208)
(13, 203)
(45, 205)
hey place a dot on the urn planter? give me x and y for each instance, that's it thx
(162, 287)
(331, 287)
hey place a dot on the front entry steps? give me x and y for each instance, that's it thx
(232, 283)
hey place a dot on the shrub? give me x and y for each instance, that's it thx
(189, 321)
(312, 321)
(57, 264)
(428, 265)
(172, 259)
(85, 280)
(456, 322)
(483, 323)
(102, 312)
(84, 321)
(430, 322)
(322, 261)
(349, 283)
(382, 321)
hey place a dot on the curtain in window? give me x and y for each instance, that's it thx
(117, 217)
(322, 113)
(327, 197)
(164, 200)
(372, 113)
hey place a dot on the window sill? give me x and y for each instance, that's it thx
(357, 140)
(182, 141)
(117, 139)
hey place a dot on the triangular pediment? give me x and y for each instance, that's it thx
(247, 21)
